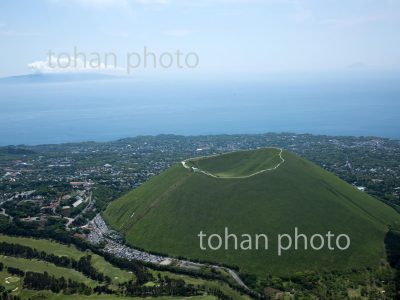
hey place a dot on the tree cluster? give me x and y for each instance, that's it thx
(39, 281)
(83, 265)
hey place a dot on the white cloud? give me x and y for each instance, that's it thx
(101, 4)
(353, 21)
(93, 3)
(302, 15)
(117, 34)
(70, 65)
(151, 2)
(178, 33)
(359, 65)
(127, 3)
(13, 33)
(6, 31)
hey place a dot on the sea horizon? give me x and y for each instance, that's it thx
(106, 110)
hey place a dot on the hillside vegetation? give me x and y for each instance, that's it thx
(117, 275)
(167, 213)
(13, 283)
(239, 164)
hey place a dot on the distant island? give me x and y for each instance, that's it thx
(37, 78)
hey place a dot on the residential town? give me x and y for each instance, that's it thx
(67, 185)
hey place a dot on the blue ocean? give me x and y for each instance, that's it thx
(103, 110)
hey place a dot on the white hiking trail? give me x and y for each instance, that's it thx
(238, 177)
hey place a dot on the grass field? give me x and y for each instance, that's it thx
(51, 296)
(41, 267)
(44, 245)
(9, 282)
(241, 163)
(117, 275)
(167, 213)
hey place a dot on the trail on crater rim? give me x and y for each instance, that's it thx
(238, 177)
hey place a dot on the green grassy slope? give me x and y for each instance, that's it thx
(167, 213)
(241, 163)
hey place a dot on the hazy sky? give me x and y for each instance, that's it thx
(228, 35)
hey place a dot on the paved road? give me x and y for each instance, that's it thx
(101, 230)
(90, 205)
(3, 212)
(237, 278)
